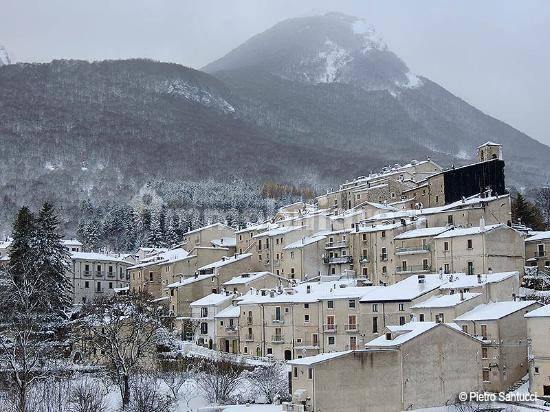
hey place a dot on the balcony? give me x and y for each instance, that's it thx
(351, 327)
(231, 329)
(341, 260)
(277, 319)
(364, 259)
(249, 337)
(383, 258)
(277, 339)
(336, 245)
(306, 343)
(412, 250)
(111, 274)
(329, 328)
(413, 269)
(99, 273)
(87, 273)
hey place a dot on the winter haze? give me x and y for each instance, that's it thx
(493, 53)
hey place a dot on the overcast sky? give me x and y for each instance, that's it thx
(495, 54)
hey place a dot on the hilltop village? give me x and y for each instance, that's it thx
(404, 287)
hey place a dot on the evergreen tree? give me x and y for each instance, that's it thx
(52, 260)
(22, 246)
(527, 213)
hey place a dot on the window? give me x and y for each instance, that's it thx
(446, 246)
(306, 305)
(465, 328)
(351, 303)
(295, 369)
(204, 328)
(470, 244)
(330, 304)
(401, 307)
(383, 234)
(333, 271)
(331, 340)
(353, 342)
(447, 268)
(375, 307)
(364, 237)
(306, 318)
(315, 339)
(484, 331)
(98, 269)
(270, 351)
(486, 375)
(541, 249)
(245, 349)
(310, 373)
(401, 320)
(375, 325)
(470, 268)
(484, 353)
(536, 370)
(384, 254)
(204, 312)
(450, 219)
(151, 276)
(436, 199)
(404, 266)
(384, 270)
(421, 317)
(87, 285)
(425, 264)
(110, 285)
(99, 286)
(352, 322)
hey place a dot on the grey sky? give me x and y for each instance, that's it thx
(495, 54)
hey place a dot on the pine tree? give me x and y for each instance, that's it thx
(22, 246)
(52, 260)
(528, 213)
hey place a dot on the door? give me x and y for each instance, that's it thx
(288, 354)
(227, 345)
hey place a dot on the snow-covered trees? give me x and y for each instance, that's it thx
(271, 381)
(121, 333)
(218, 379)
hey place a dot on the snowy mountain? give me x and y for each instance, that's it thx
(4, 56)
(312, 101)
(331, 80)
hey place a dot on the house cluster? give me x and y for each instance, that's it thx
(402, 287)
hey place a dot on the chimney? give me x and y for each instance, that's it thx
(479, 278)
(514, 297)
(271, 293)
(461, 295)
(421, 279)
(308, 289)
(482, 224)
(441, 272)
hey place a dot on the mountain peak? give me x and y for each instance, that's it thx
(4, 56)
(328, 48)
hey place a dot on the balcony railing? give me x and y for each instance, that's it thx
(383, 258)
(231, 329)
(336, 245)
(305, 343)
(277, 319)
(277, 339)
(249, 337)
(111, 274)
(329, 328)
(351, 327)
(87, 273)
(412, 250)
(413, 269)
(337, 260)
(364, 259)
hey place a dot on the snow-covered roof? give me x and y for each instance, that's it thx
(539, 236)
(489, 143)
(467, 231)
(257, 227)
(463, 281)
(70, 242)
(246, 277)
(378, 228)
(495, 310)
(543, 312)
(96, 257)
(213, 299)
(422, 232)
(224, 262)
(229, 312)
(188, 281)
(306, 241)
(165, 257)
(322, 357)
(406, 332)
(405, 290)
(200, 229)
(446, 301)
(279, 231)
(225, 242)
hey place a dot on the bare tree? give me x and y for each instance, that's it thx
(121, 334)
(271, 381)
(87, 395)
(218, 379)
(25, 347)
(176, 379)
(148, 397)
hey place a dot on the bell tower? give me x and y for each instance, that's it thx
(489, 151)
